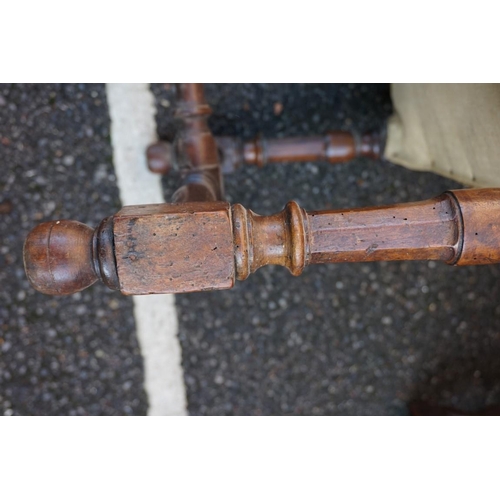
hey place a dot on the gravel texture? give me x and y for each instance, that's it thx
(342, 339)
(346, 339)
(60, 355)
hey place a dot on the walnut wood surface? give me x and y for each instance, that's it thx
(58, 257)
(426, 230)
(334, 147)
(182, 247)
(173, 248)
(480, 217)
(279, 239)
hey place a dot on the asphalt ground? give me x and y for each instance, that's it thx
(60, 355)
(344, 339)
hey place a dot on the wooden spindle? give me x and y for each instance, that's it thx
(333, 147)
(194, 151)
(184, 247)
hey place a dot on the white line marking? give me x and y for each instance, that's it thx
(133, 128)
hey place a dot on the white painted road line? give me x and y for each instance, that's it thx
(133, 128)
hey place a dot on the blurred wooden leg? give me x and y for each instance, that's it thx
(333, 147)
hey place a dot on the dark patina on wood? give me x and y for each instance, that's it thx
(173, 248)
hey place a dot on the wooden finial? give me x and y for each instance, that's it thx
(63, 257)
(58, 257)
(159, 157)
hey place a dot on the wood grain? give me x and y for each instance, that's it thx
(58, 257)
(174, 248)
(426, 230)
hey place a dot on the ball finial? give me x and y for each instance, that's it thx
(58, 257)
(159, 158)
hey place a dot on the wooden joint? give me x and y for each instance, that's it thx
(479, 212)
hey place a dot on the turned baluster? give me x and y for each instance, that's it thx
(184, 247)
(333, 147)
(195, 150)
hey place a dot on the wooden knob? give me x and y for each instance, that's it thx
(58, 257)
(63, 257)
(159, 158)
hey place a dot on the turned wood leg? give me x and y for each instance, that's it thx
(195, 149)
(185, 247)
(333, 147)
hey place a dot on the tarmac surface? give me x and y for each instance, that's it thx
(343, 339)
(60, 355)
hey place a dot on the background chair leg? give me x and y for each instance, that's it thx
(334, 147)
(195, 150)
